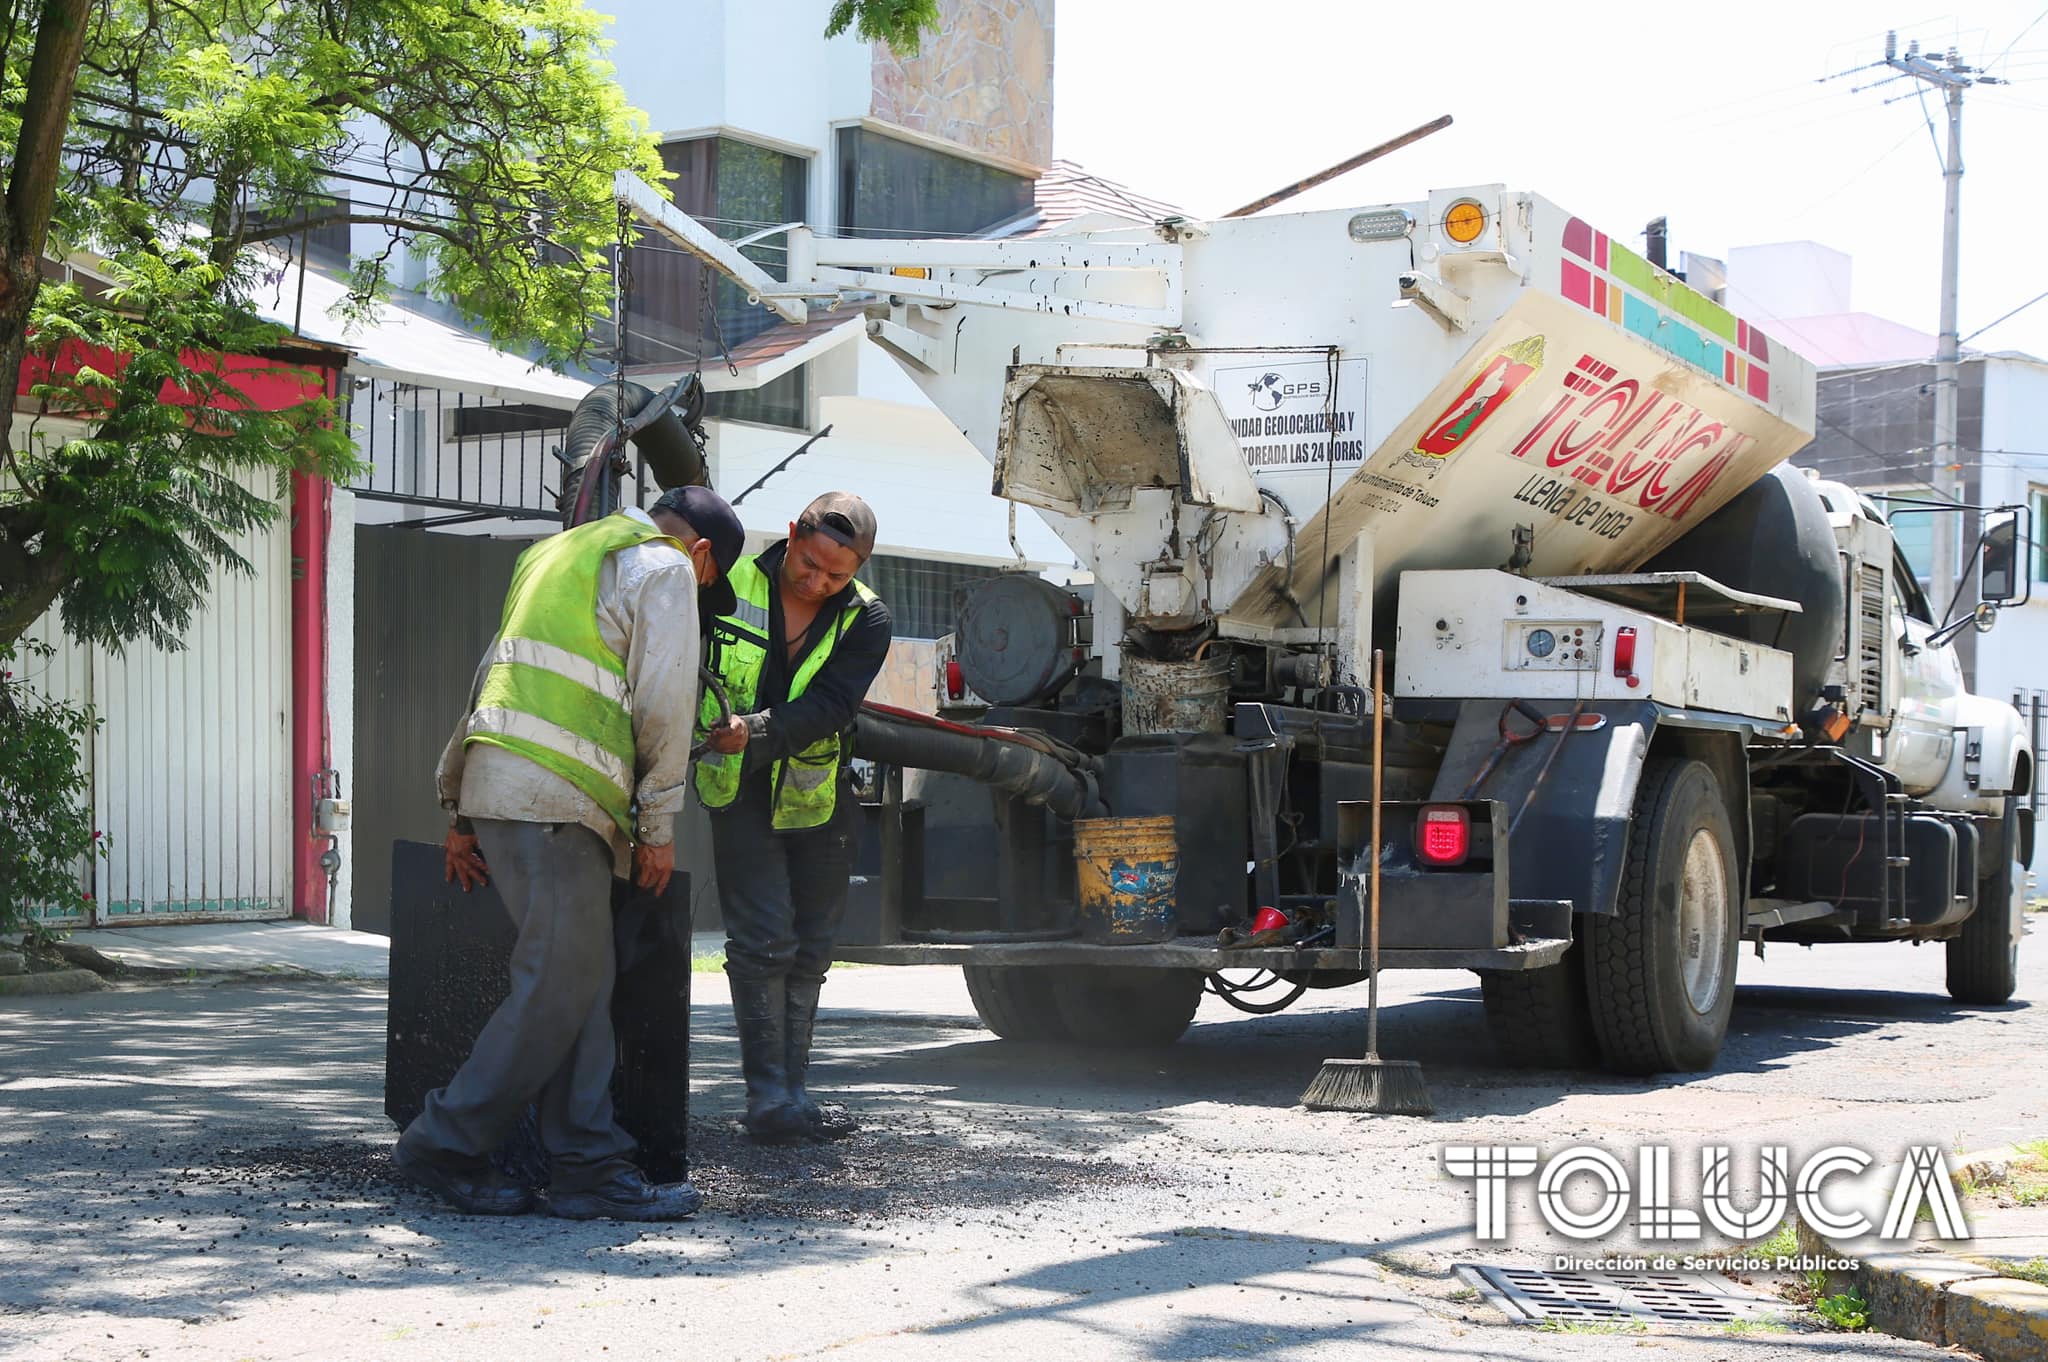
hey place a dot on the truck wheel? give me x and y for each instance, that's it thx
(1015, 1001)
(1539, 1017)
(1984, 961)
(1120, 1007)
(1660, 973)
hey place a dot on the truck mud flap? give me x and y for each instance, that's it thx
(1567, 794)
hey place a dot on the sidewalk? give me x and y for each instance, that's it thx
(276, 950)
(287, 948)
(1989, 1294)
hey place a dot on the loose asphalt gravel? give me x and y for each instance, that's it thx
(204, 1172)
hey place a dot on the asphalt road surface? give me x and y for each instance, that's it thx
(203, 1172)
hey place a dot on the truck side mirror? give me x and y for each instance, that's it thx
(1999, 561)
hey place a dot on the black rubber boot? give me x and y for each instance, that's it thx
(759, 1006)
(830, 1122)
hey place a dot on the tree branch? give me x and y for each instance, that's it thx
(45, 110)
(272, 231)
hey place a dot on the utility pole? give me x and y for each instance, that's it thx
(1951, 77)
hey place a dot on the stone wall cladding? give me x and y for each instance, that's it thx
(983, 81)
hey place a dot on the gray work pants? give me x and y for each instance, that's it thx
(782, 893)
(551, 1040)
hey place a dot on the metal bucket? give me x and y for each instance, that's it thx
(1124, 872)
(1175, 697)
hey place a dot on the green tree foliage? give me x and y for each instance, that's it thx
(45, 821)
(183, 151)
(900, 23)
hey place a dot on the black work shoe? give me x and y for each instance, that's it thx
(625, 1196)
(480, 1191)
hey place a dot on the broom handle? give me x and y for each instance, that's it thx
(1372, 1023)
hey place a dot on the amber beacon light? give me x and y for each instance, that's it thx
(1464, 221)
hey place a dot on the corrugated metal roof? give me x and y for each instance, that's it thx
(765, 357)
(1067, 191)
(405, 344)
(1843, 339)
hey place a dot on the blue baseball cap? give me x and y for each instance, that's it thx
(711, 516)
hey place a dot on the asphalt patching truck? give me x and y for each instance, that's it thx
(1650, 690)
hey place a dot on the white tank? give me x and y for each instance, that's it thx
(1161, 394)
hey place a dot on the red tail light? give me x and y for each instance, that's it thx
(1625, 655)
(956, 681)
(1443, 835)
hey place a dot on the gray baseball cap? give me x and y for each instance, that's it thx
(843, 517)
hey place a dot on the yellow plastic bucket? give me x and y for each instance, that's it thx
(1124, 871)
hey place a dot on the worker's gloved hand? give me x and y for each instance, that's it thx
(465, 863)
(652, 866)
(729, 737)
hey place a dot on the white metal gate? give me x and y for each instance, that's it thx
(191, 766)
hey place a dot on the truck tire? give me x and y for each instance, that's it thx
(1117, 1007)
(1016, 1001)
(1539, 1017)
(1660, 972)
(1984, 960)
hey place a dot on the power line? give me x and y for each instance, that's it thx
(2007, 317)
(2016, 41)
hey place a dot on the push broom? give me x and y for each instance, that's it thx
(1385, 1087)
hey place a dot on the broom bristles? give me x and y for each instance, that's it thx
(1384, 1087)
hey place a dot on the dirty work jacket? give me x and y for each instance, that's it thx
(645, 612)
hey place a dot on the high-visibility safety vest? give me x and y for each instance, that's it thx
(805, 784)
(554, 692)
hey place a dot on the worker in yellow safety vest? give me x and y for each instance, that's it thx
(568, 770)
(796, 654)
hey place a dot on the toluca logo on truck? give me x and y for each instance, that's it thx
(1626, 440)
(1499, 379)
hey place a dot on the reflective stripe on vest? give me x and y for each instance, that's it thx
(805, 784)
(555, 692)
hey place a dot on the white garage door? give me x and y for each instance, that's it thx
(191, 767)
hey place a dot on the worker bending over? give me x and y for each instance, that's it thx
(570, 768)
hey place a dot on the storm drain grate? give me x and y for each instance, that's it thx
(1530, 1296)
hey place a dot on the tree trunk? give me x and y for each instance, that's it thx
(30, 584)
(39, 151)
(30, 580)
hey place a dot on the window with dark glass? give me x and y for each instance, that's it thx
(778, 402)
(676, 308)
(922, 593)
(892, 188)
(509, 418)
(328, 242)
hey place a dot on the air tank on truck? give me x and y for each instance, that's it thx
(1651, 691)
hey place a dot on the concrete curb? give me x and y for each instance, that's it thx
(50, 982)
(1946, 1300)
